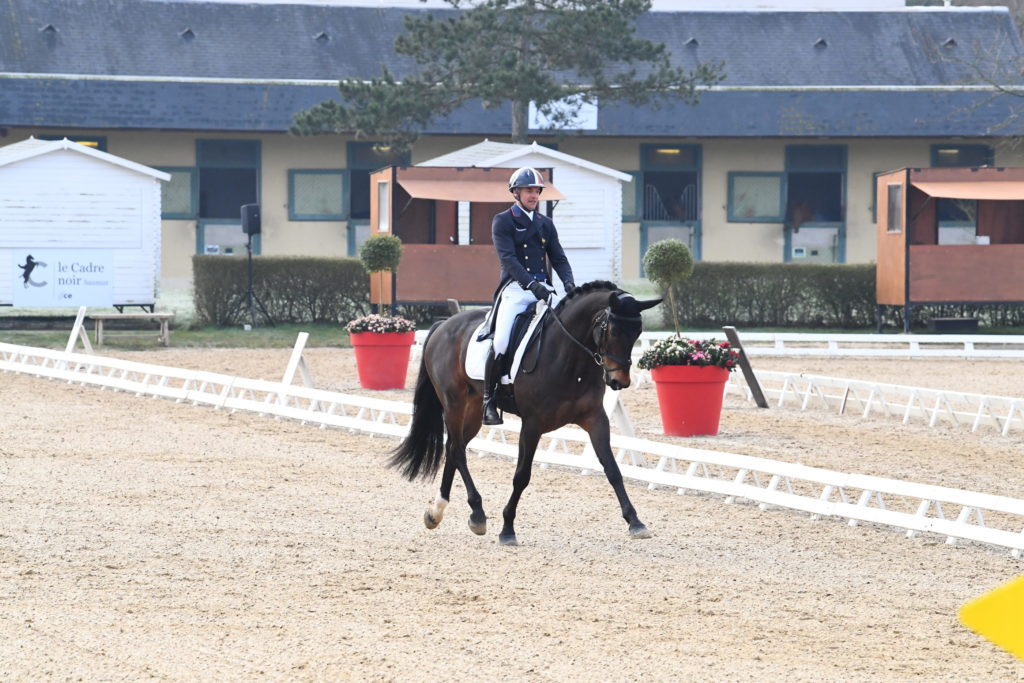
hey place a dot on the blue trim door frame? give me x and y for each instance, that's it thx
(840, 256)
(838, 163)
(238, 248)
(694, 243)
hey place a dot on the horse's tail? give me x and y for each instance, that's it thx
(421, 451)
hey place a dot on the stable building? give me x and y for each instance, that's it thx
(777, 163)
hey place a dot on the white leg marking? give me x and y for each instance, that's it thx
(437, 507)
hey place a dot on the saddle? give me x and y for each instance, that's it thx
(524, 332)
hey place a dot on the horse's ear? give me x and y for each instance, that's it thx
(650, 303)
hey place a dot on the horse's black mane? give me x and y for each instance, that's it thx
(587, 288)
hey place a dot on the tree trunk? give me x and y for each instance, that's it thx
(520, 123)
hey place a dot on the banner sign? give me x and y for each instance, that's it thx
(62, 277)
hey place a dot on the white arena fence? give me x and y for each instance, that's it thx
(867, 345)
(836, 345)
(866, 399)
(854, 498)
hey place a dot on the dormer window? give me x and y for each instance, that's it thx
(49, 29)
(322, 37)
(950, 43)
(188, 35)
(692, 42)
(820, 43)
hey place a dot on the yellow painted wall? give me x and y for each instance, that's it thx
(722, 240)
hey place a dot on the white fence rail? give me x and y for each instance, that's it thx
(855, 498)
(872, 345)
(906, 403)
(867, 345)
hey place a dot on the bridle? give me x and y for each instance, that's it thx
(600, 335)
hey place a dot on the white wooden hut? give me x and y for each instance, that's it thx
(93, 211)
(589, 219)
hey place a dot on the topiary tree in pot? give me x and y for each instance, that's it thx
(381, 341)
(379, 253)
(669, 263)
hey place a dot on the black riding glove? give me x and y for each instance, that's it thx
(540, 289)
(569, 287)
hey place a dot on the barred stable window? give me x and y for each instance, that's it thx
(670, 190)
(316, 195)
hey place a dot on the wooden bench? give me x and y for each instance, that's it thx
(959, 325)
(163, 318)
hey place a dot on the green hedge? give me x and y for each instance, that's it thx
(777, 295)
(293, 289)
(807, 296)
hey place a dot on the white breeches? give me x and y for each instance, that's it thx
(514, 300)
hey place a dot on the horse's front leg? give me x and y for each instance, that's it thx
(600, 438)
(529, 437)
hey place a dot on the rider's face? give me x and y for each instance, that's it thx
(529, 197)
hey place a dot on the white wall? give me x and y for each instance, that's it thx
(66, 200)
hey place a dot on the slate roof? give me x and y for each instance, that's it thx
(249, 67)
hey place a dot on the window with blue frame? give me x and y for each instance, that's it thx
(756, 197)
(229, 172)
(953, 156)
(316, 195)
(179, 196)
(630, 197)
(814, 184)
(669, 175)
(363, 159)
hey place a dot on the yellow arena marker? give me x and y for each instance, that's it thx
(999, 616)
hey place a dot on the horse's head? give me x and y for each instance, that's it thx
(619, 327)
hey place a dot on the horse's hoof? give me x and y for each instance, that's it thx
(639, 532)
(429, 521)
(478, 527)
(508, 540)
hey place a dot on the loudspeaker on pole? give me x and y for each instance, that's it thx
(251, 219)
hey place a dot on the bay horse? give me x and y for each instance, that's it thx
(583, 346)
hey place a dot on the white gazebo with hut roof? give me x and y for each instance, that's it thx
(78, 226)
(589, 219)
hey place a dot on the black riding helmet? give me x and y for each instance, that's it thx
(525, 177)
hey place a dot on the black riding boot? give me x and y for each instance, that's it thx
(492, 371)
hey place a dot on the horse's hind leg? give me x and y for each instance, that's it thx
(435, 513)
(455, 460)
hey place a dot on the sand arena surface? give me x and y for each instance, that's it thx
(142, 538)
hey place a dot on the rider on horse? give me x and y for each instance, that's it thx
(525, 241)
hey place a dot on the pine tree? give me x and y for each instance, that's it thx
(560, 54)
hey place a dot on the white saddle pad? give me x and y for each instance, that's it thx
(476, 352)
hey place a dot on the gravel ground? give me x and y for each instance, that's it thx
(143, 538)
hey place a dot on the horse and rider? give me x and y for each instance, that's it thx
(583, 345)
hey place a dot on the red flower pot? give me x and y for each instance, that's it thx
(690, 398)
(382, 359)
